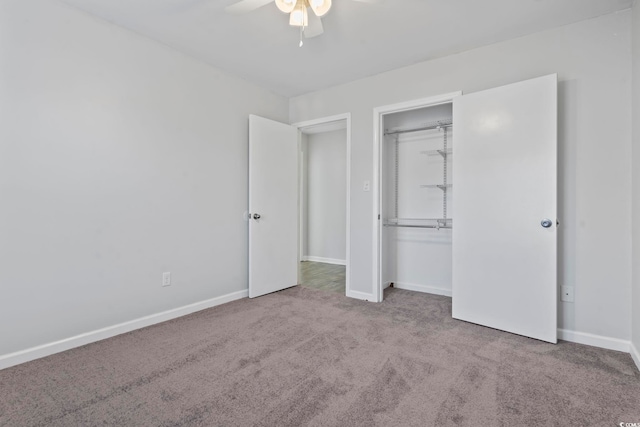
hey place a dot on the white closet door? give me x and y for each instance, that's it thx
(273, 204)
(504, 230)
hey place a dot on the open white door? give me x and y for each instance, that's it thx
(273, 206)
(504, 232)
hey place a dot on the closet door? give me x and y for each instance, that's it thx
(504, 230)
(273, 206)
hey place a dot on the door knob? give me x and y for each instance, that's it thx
(546, 223)
(256, 216)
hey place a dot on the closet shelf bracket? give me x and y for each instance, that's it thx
(440, 186)
(443, 153)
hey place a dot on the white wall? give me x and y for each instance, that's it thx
(592, 59)
(326, 190)
(636, 183)
(119, 159)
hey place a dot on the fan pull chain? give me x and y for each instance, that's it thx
(301, 33)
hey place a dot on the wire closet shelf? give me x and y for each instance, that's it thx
(429, 223)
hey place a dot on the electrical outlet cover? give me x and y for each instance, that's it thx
(566, 293)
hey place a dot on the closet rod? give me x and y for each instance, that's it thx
(417, 226)
(429, 127)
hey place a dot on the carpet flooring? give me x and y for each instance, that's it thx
(308, 357)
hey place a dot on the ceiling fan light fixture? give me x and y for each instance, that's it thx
(299, 16)
(286, 6)
(320, 7)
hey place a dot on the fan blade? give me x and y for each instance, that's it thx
(245, 6)
(315, 28)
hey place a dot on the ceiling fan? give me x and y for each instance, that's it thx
(310, 24)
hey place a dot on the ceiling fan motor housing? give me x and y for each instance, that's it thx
(298, 9)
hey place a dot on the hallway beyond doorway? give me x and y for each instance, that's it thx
(319, 275)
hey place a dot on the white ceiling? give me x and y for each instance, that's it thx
(360, 39)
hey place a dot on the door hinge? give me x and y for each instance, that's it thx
(378, 217)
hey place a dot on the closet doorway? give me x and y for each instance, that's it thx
(416, 190)
(499, 262)
(324, 204)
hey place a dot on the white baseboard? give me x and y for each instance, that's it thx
(422, 288)
(635, 354)
(324, 260)
(594, 340)
(33, 353)
(360, 295)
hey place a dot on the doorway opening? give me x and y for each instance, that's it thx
(324, 204)
(413, 193)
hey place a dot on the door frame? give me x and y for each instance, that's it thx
(319, 122)
(378, 132)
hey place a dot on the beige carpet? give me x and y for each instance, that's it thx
(307, 357)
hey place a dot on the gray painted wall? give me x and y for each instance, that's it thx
(120, 159)
(326, 190)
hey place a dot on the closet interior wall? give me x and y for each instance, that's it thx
(416, 239)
